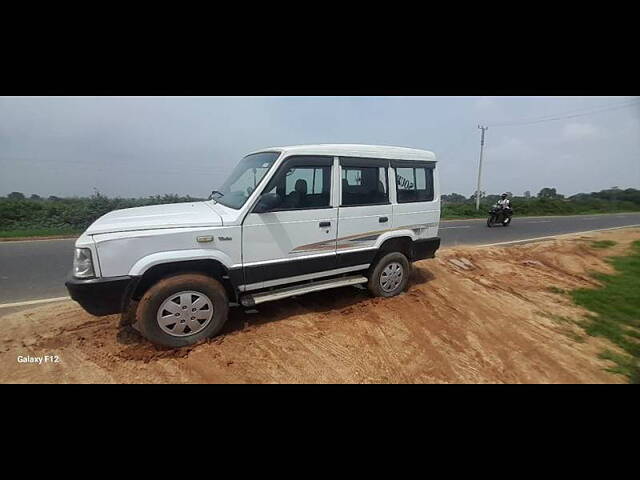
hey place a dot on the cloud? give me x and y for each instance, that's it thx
(580, 131)
(485, 102)
(510, 149)
(134, 146)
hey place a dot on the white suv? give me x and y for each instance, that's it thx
(288, 221)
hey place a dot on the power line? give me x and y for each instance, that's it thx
(561, 117)
(555, 117)
(457, 144)
(585, 109)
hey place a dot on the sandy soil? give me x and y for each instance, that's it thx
(473, 315)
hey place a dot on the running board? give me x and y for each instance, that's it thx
(257, 298)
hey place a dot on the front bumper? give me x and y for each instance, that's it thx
(101, 296)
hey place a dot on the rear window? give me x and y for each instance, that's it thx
(414, 184)
(364, 186)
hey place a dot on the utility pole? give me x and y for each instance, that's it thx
(480, 166)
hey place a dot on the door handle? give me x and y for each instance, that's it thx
(383, 219)
(325, 224)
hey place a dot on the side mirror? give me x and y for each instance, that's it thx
(266, 202)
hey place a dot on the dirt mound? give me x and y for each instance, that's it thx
(473, 315)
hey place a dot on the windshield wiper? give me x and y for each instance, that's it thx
(213, 192)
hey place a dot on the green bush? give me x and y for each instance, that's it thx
(19, 212)
(72, 214)
(606, 201)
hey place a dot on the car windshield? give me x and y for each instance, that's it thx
(244, 179)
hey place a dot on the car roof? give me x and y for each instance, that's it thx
(355, 150)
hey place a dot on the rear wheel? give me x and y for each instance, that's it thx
(390, 275)
(506, 222)
(182, 310)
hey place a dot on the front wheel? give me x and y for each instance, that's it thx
(490, 221)
(390, 275)
(181, 310)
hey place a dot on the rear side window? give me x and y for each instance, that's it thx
(364, 186)
(414, 184)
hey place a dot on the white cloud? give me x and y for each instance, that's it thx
(67, 146)
(485, 102)
(580, 131)
(509, 149)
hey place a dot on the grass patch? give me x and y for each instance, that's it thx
(556, 318)
(625, 365)
(561, 319)
(565, 325)
(616, 305)
(39, 232)
(557, 290)
(575, 337)
(633, 333)
(603, 244)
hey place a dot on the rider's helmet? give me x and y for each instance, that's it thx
(504, 195)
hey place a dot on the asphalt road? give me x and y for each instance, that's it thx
(35, 269)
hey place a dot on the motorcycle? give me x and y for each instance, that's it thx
(499, 215)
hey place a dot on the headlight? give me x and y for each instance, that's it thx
(83, 264)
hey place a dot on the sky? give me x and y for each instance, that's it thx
(140, 146)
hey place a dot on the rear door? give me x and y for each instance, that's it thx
(418, 204)
(296, 239)
(365, 210)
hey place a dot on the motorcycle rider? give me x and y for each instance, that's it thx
(501, 212)
(504, 201)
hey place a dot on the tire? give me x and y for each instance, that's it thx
(489, 222)
(200, 293)
(387, 267)
(506, 222)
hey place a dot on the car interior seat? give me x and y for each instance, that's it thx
(297, 198)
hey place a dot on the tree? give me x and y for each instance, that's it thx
(453, 198)
(473, 195)
(493, 198)
(35, 197)
(527, 194)
(16, 196)
(549, 193)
